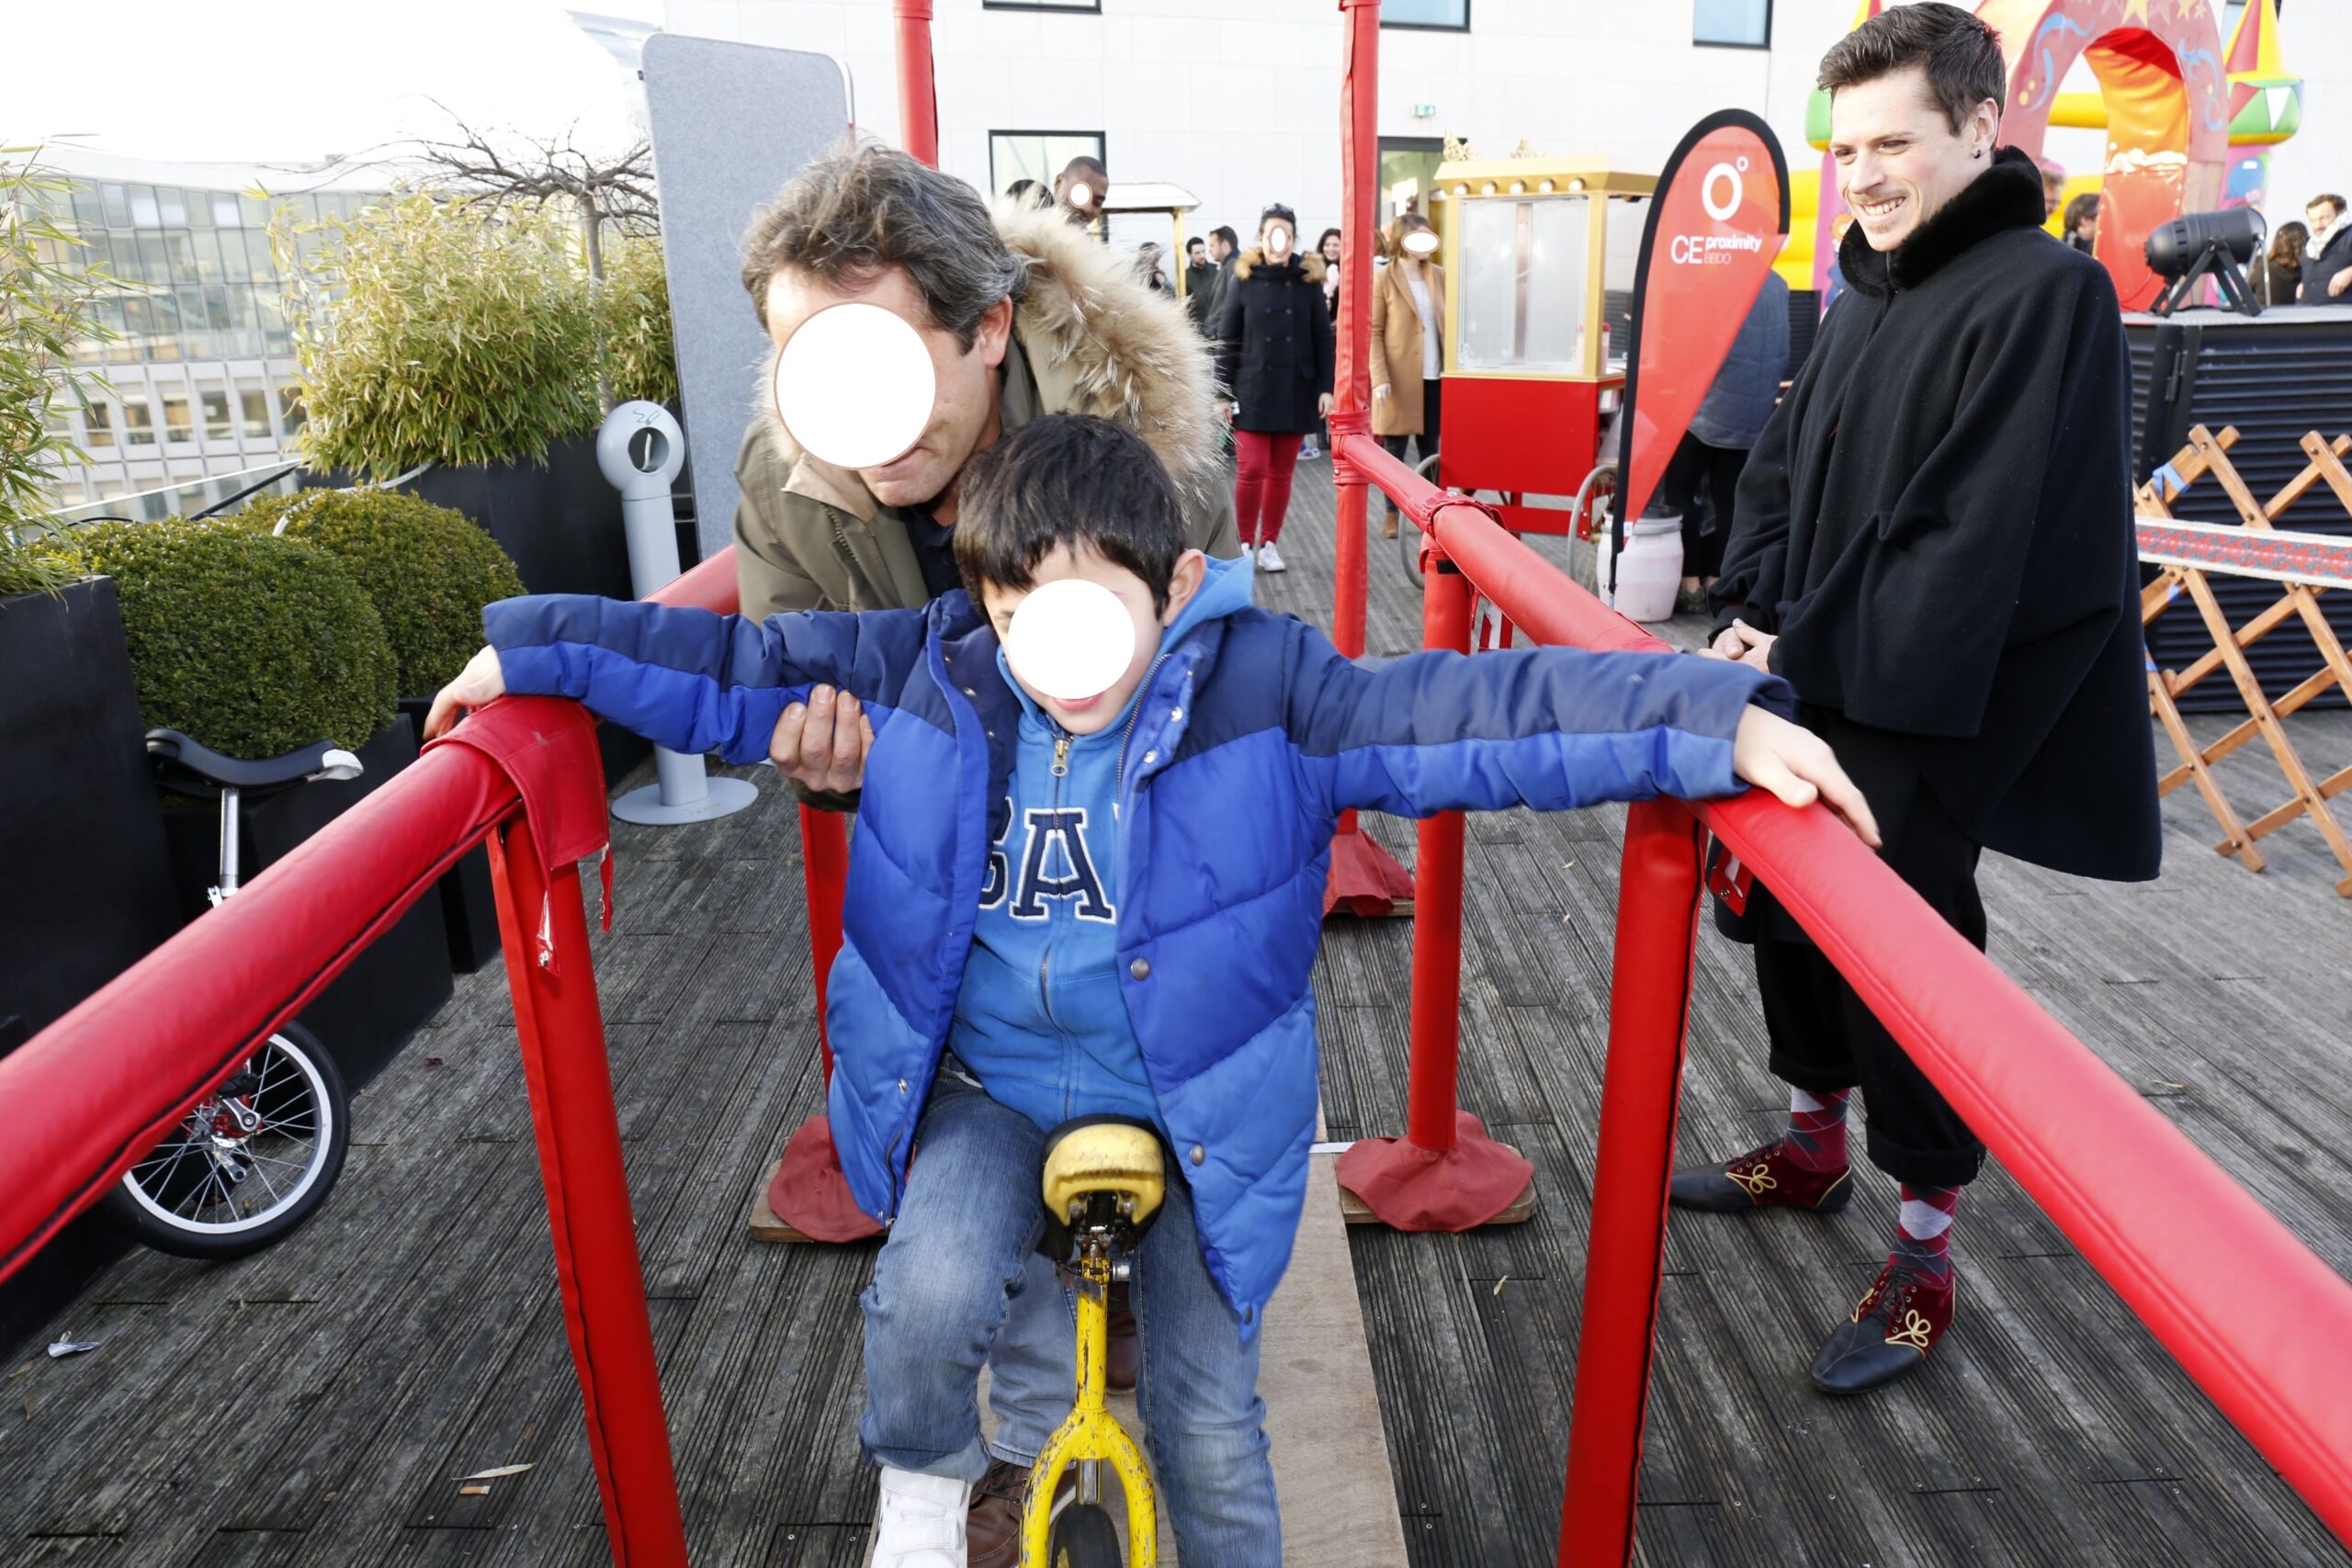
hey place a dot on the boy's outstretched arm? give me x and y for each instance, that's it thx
(1552, 728)
(682, 678)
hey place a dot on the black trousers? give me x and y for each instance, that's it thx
(1823, 1037)
(1432, 406)
(1715, 470)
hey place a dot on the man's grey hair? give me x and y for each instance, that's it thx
(863, 208)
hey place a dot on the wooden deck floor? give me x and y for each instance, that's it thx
(314, 1405)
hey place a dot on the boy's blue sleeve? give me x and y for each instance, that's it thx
(1552, 728)
(693, 680)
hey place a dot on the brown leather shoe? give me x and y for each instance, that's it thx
(1388, 526)
(992, 1528)
(1123, 1362)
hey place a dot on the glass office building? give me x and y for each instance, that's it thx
(200, 373)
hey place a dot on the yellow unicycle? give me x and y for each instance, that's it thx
(1103, 1183)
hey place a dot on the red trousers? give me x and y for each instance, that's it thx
(1261, 493)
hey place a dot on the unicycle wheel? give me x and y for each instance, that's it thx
(1084, 1537)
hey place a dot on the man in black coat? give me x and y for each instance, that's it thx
(2327, 263)
(1934, 544)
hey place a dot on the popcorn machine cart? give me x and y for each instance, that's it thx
(1540, 256)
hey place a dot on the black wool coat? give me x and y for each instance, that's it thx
(1274, 345)
(1936, 524)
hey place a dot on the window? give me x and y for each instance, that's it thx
(1732, 24)
(115, 205)
(1449, 16)
(290, 403)
(226, 214)
(252, 405)
(1037, 154)
(214, 400)
(137, 425)
(176, 421)
(143, 212)
(98, 418)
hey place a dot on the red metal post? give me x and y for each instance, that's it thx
(824, 868)
(1437, 901)
(1364, 878)
(1649, 1002)
(918, 97)
(561, 1033)
(1445, 1174)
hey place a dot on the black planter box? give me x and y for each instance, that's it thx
(86, 886)
(85, 878)
(403, 979)
(469, 908)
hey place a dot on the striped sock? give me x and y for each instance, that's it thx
(1923, 1237)
(1816, 1136)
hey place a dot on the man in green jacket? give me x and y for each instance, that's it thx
(1024, 315)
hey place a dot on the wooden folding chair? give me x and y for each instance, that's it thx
(2207, 454)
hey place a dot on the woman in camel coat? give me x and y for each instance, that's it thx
(1408, 344)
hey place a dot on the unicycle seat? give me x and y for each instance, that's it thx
(1114, 1156)
(190, 762)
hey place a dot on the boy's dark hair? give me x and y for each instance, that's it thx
(1066, 478)
(865, 208)
(1960, 55)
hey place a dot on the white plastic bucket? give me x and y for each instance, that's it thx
(1650, 569)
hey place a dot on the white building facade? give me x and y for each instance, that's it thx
(200, 379)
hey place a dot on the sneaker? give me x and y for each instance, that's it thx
(1892, 1330)
(1310, 450)
(1270, 558)
(921, 1522)
(1760, 1179)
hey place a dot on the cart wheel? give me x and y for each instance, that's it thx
(1084, 1537)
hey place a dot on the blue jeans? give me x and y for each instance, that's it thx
(959, 1255)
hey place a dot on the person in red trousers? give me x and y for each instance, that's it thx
(1274, 360)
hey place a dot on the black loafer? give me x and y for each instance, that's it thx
(1889, 1335)
(1760, 1179)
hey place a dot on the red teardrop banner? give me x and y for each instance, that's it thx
(1716, 225)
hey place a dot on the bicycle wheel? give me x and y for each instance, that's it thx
(1408, 534)
(250, 1163)
(1084, 1537)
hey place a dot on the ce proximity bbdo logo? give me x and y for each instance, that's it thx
(1721, 193)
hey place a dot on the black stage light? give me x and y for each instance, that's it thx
(2223, 243)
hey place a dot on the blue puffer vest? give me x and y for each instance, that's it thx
(1252, 734)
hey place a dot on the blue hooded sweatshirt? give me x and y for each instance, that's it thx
(1040, 1020)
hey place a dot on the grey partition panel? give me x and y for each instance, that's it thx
(731, 122)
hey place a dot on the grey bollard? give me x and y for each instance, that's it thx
(640, 448)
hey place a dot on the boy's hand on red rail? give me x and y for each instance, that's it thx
(1798, 766)
(480, 684)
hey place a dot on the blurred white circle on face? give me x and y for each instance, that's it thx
(854, 386)
(1071, 639)
(1277, 241)
(1420, 241)
(1082, 194)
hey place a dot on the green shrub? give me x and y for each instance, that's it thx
(251, 645)
(47, 313)
(633, 312)
(440, 331)
(427, 569)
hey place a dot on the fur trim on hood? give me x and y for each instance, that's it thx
(1097, 341)
(1250, 261)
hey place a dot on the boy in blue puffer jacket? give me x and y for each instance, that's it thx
(1111, 904)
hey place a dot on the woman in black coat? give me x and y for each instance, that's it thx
(1274, 361)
